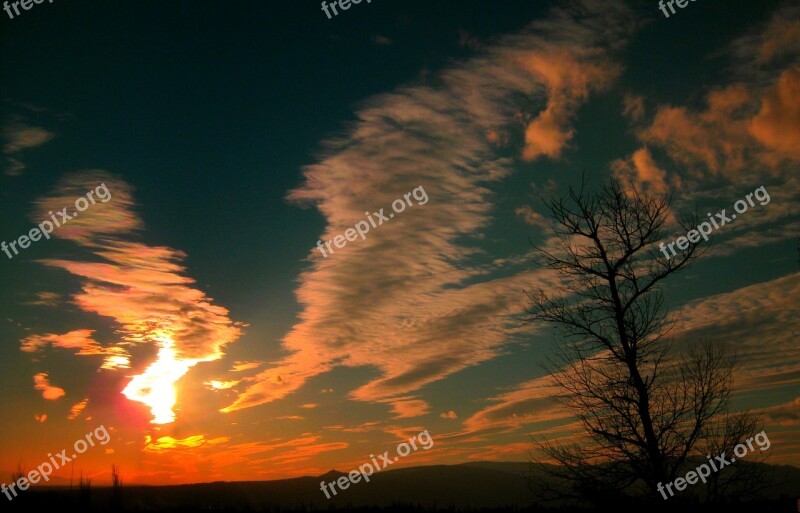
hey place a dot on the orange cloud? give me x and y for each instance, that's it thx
(116, 357)
(532, 217)
(787, 414)
(687, 138)
(547, 134)
(633, 107)
(221, 385)
(49, 392)
(569, 74)
(752, 313)
(77, 409)
(530, 402)
(243, 366)
(782, 37)
(166, 443)
(426, 314)
(142, 288)
(641, 170)
(46, 299)
(409, 407)
(20, 137)
(750, 127)
(777, 125)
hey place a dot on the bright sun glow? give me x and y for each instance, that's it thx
(155, 387)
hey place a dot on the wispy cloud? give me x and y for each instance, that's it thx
(750, 126)
(416, 319)
(45, 299)
(221, 385)
(244, 366)
(17, 137)
(143, 288)
(116, 357)
(741, 319)
(166, 443)
(77, 409)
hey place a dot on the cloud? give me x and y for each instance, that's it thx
(15, 167)
(142, 287)
(774, 44)
(633, 107)
(113, 218)
(290, 417)
(748, 127)
(530, 402)
(407, 407)
(715, 139)
(787, 414)
(77, 409)
(449, 415)
(569, 74)
(49, 392)
(45, 299)
(741, 319)
(777, 124)
(547, 134)
(381, 40)
(116, 357)
(366, 427)
(221, 385)
(309, 405)
(19, 137)
(532, 217)
(243, 366)
(429, 305)
(642, 171)
(166, 443)
(40, 418)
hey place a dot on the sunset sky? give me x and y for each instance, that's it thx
(192, 314)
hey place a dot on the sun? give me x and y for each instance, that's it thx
(155, 387)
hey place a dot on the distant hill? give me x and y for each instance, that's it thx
(468, 485)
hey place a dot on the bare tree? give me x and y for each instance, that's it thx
(84, 490)
(645, 410)
(20, 472)
(116, 488)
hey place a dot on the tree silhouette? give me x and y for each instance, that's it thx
(645, 410)
(116, 488)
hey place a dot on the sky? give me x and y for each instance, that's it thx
(192, 307)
